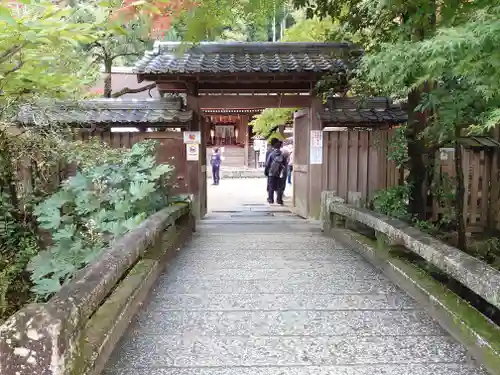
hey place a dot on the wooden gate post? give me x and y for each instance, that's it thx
(315, 166)
(197, 170)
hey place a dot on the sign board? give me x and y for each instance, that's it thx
(262, 152)
(192, 137)
(193, 152)
(317, 138)
(316, 147)
(256, 145)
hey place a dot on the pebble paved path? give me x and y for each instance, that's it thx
(263, 293)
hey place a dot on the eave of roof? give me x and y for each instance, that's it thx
(169, 58)
(106, 111)
(356, 112)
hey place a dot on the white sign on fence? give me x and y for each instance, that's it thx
(316, 147)
(193, 152)
(192, 137)
(317, 138)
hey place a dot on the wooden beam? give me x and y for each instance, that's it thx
(233, 111)
(241, 87)
(254, 101)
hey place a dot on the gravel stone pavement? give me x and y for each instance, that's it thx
(258, 291)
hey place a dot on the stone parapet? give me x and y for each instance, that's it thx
(474, 330)
(77, 329)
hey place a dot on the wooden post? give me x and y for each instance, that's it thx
(315, 170)
(244, 127)
(197, 170)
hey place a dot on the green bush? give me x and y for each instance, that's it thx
(393, 202)
(94, 207)
(18, 244)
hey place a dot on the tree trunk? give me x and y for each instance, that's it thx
(108, 64)
(7, 177)
(418, 152)
(460, 193)
(417, 177)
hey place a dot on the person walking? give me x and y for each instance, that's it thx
(215, 161)
(275, 171)
(286, 154)
(290, 164)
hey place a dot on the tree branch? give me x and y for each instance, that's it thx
(18, 66)
(124, 54)
(128, 90)
(11, 51)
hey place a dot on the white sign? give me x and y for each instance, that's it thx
(192, 137)
(316, 147)
(316, 138)
(263, 152)
(316, 156)
(192, 152)
(256, 144)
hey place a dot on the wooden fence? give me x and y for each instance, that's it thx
(171, 150)
(477, 166)
(356, 166)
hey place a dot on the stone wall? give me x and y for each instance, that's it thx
(76, 330)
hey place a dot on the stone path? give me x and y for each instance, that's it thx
(260, 292)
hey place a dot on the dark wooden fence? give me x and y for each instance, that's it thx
(356, 166)
(356, 163)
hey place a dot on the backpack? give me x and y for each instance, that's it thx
(277, 165)
(214, 160)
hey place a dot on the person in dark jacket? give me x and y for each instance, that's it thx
(275, 171)
(215, 161)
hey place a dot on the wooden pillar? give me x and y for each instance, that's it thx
(301, 162)
(197, 170)
(315, 172)
(246, 139)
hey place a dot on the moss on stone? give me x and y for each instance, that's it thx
(103, 321)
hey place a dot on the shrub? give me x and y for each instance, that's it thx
(393, 202)
(94, 207)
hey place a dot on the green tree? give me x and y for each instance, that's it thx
(389, 29)
(460, 59)
(120, 40)
(38, 54)
(38, 58)
(305, 30)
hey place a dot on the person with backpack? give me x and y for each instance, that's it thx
(275, 171)
(215, 161)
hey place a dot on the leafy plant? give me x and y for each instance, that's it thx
(488, 251)
(18, 244)
(393, 202)
(397, 149)
(93, 208)
(266, 123)
(90, 153)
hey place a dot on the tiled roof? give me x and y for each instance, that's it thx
(358, 116)
(240, 57)
(479, 142)
(357, 111)
(129, 112)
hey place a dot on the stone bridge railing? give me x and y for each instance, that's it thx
(374, 235)
(77, 329)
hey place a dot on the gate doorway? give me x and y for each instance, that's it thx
(235, 76)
